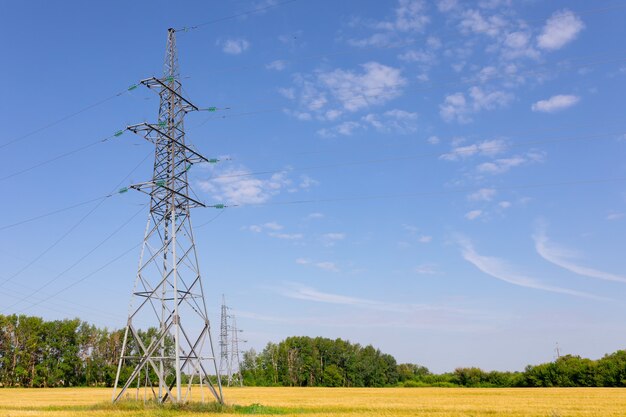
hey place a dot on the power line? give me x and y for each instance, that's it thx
(78, 261)
(460, 152)
(50, 213)
(234, 16)
(73, 284)
(61, 156)
(70, 230)
(438, 193)
(62, 119)
(359, 93)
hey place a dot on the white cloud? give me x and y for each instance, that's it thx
(504, 204)
(258, 228)
(409, 16)
(457, 108)
(236, 186)
(334, 236)
(287, 236)
(473, 21)
(301, 292)
(433, 140)
(473, 215)
(426, 269)
(484, 194)
(447, 5)
(287, 93)
(315, 216)
(487, 148)
(560, 29)
(234, 46)
(273, 226)
(501, 270)
(422, 57)
(615, 216)
(565, 259)
(425, 239)
(307, 182)
(502, 165)
(327, 266)
(277, 65)
(396, 121)
(555, 103)
(376, 84)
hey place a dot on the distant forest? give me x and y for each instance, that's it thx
(62, 353)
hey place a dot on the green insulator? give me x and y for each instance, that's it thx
(219, 206)
(169, 79)
(213, 161)
(160, 183)
(123, 190)
(188, 167)
(119, 133)
(132, 87)
(162, 124)
(212, 109)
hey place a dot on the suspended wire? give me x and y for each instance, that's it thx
(62, 119)
(61, 210)
(460, 152)
(73, 284)
(359, 94)
(281, 108)
(61, 156)
(210, 220)
(70, 230)
(234, 16)
(438, 193)
(359, 49)
(78, 261)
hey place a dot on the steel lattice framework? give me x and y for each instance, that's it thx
(168, 293)
(230, 360)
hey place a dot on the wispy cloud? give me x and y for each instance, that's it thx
(565, 258)
(302, 292)
(325, 265)
(501, 270)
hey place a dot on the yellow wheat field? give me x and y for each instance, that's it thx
(317, 402)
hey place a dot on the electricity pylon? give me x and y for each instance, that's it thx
(224, 348)
(168, 293)
(230, 361)
(234, 367)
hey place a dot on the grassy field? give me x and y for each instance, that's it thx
(314, 402)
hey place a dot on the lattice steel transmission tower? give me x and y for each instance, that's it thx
(168, 293)
(224, 345)
(234, 367)
(230, 361)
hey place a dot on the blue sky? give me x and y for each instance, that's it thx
(442, 179)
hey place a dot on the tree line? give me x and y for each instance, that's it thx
(306, 361)
(62, 353)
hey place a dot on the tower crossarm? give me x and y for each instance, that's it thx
(154, 82)
(147, 187)
(152, 132)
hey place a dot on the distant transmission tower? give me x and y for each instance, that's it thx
(230, 362)
(168, 289)
(224, 345)
(234, 367)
